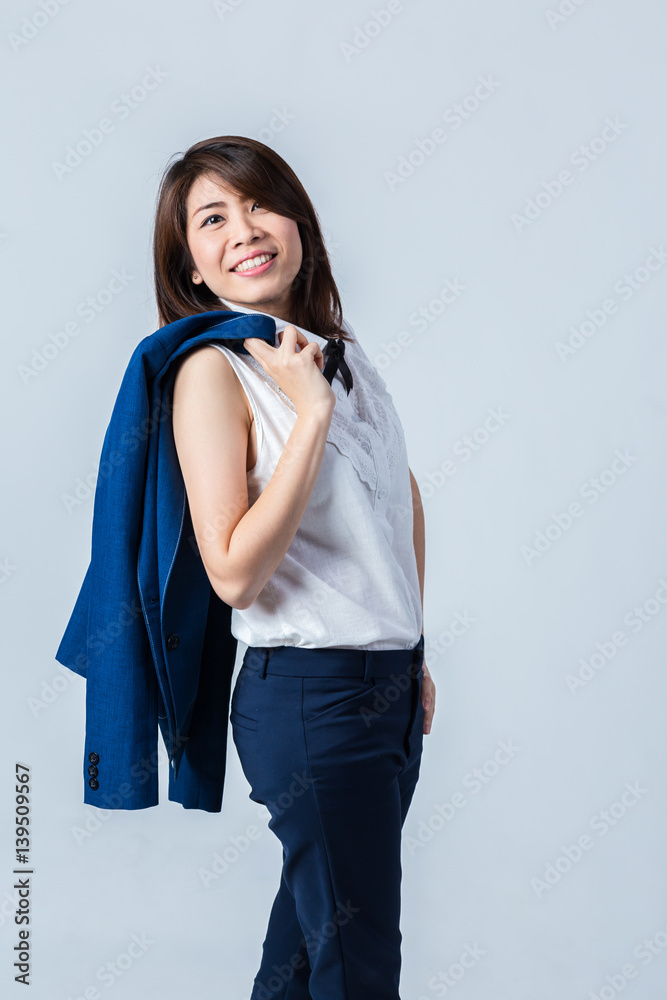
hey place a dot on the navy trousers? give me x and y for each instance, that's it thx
(330, 740)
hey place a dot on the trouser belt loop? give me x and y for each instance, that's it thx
(368, 663)
(266, 652)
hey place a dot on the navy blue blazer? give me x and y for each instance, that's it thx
(148, 632)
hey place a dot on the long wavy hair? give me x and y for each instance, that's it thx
(254, 171)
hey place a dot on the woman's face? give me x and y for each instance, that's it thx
(224, 228)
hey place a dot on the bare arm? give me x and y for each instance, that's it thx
(241, 547)
(419, 540)
(419, 536)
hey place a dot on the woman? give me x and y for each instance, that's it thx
(302, 506)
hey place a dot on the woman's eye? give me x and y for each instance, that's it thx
(208, 219)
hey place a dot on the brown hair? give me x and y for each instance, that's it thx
(254, 171)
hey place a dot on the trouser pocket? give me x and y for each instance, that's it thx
(340, 695)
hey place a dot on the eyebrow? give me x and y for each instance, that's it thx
(211, 204)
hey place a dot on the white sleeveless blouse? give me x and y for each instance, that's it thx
(349, 577)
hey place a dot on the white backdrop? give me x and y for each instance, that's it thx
(490, 180)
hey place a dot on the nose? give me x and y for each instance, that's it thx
(245, 231)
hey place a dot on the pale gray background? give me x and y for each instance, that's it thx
(504, 678)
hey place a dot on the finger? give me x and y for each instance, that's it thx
(428, 702)
(303, 343)
(428, 721)
(301, 339)
(258, 347)
(313, 348)
(315, 351)
(290, 336)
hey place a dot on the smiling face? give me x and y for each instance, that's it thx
(225, 228)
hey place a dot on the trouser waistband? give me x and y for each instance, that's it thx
(331, 661)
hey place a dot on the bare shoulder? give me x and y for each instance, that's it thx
(206, 376)
(200, 361)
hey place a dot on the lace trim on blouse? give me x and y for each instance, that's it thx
(372, 407)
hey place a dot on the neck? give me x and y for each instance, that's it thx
(278, 308)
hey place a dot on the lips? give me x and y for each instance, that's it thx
(257, 272)
(252, 256)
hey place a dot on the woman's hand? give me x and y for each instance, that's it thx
(428, 698)
(297, 372)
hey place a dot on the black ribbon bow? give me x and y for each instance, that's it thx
(334, 361)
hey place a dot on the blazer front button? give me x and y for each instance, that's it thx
(93, 757)
(172, 641)
(94, 783)
(92, 770)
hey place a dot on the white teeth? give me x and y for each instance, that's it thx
(245, 265)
